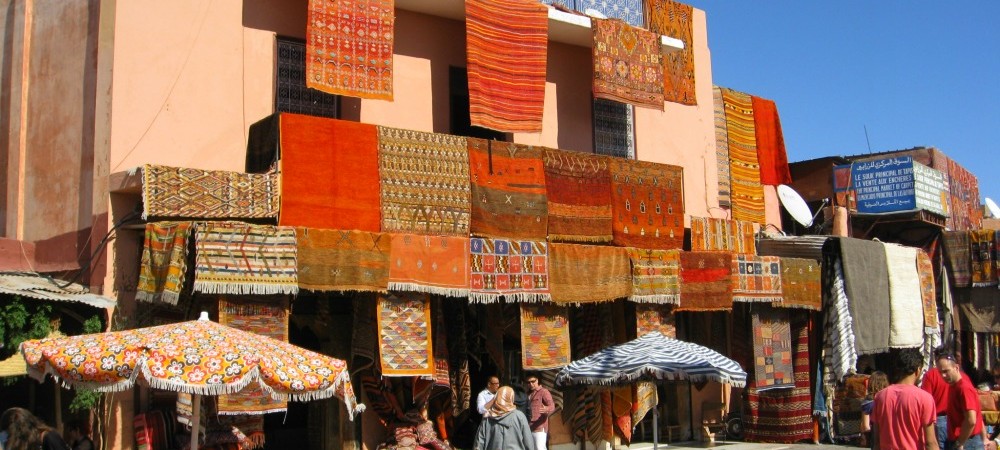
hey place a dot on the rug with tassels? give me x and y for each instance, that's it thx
(164, 262)
(258, 318)
(756, 278)
(655, 276)
(405, 347)
(338, 260)
(578, 188)
(244, 259)
(432, 264)
(516, 270)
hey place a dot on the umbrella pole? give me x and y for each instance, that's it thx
(656, 424)
(195, 420)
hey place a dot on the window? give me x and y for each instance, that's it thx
(614, 132)
(291, 94)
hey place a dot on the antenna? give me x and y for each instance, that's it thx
(866, 139)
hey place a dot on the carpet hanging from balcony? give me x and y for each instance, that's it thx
(628, 64)
(801, 285)
(506, 47)
(329, 174)
(770, 143)
(905, 299)
(208, 194)
(164, 262)
(722, 148)
(747, 193)
(866, 283)
(349, 47)
(244, 259)
(432, 264)
(544, 336)
(516, 270)
(983, 248)
(508, 190)
(578, 189)
(647, 203)
(705, 283)
(609, 275)
(673, 19)
(338, 260)
(424, 182)
(655, 276)
(265, 320)
(756, 278)
(405, 346)
(958, 258)
(711, 234)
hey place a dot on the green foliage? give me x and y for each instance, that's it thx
(21, 321)
(84, 400)
(93, 325)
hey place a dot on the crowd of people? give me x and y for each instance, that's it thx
(504, 426)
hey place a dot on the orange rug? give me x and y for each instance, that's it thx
(338, 260)
(508, 190)
(705, 283)
(628, 64)
(673, 19)
(432, 264)
(647, 204)
(588, 273)
(349, 47)
(747, 194)
(329, 174)
(578, 188)
(770, 143)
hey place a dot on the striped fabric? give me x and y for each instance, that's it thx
(839, 352)
(652, 357)
(506, 48)
(747, 192)
(655, 276)
(721, 147)
(240, 258)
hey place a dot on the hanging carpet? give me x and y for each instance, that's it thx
(578, 189)
(983, 247)
(866, 280)
(756, 278)
(957, 251)
(655, 276)
(336, 260)
(711, 234)
(905, 300)
(722, 148)
(207, 194)
(240, 258)
(705, 281)
(516, 270)
(164, 262)
(588, 273)
(840, 354)
(772, 349)
(508, 190)
(263, 147)
(432, 264)
(928, 297)
(265, 320)
(647, 204)
(405, 346)
(744, 167)
(349, 47)
(978, 310)
(364, 334)
(673, 19)
(545, 340)
(771, 152)
(628, 64)
(801, 284)
(651, 318)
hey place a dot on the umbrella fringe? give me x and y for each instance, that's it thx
(416, 287)
(211, 389)
(119, 386)
(617, 380)
(350, 400)
(664, 299)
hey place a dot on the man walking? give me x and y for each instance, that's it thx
(965, 419)
(541, 406)
(904, 415)
(486, 396)
(938, 388)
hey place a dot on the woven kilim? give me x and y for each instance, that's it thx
(424, 182)
(673, 19)
(432, 264)
(588, 273)
(578, 190)
(772, 349)
(405, 346)
(164, 262)
(771, 152)
(756, 278)
(957, 251)
(516, 270)
(239, 258)
(906, 317)
(442, 369)
(349, 47)
(744, 168)
(784, 415)
(866, 284)
(658, 318)
(721, 148)
(801, 284)
(928, 289)
(265, 320)
(628, 64)
(647, 203)
(705, 283)
(711, 234)
(645, 400)
(207, 194)
(506, 49)
(544, 336)
(655, 276)
(508, 190)
(336, 260)
(983, 248)
(966, 212)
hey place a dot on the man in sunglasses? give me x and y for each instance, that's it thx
(965, 419)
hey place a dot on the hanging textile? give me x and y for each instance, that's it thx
(744, 167)
(771, 152)
(458, 359)
(578, 190)
(673, 19)
(647, 204)
(978, 310)
(442, 368)
(516, 270)
(645, 400)
(506, 49)
(756, 278)
(349, 47)
(328, 172)
(265, 320)
(544, 336)
(628, 64)
(164, 262)
(711, 234)
(240, 258)
(364, 334)
(508, 190)
(801, 284)
(705, 281)
(928, 296)
(905, 304)
(424, 182)
(336, 260)
(653, 317)
(432, 264)
(847, 404)
(966, 211)
(866, 280)
(608, 273)
(655, 276)
(839, 350)
(263, 145)
(404, 324)
(772, 349)
(983, 247)
(722, 148)
(207, 194)
(957, 251)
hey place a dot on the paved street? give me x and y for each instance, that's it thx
(737, 446)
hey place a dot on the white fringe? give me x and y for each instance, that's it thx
(987, 284)
(740, 298)
(663, 299)
(153, 297)
(642, 375)
(216, 287)
(510, 297)
(251, 413)
(415, 287)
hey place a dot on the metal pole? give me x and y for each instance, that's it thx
(656, 424)
(195, 420)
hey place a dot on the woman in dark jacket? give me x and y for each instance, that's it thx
(504, 427)
(27, 432)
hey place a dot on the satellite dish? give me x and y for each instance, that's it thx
(993, 208)
(795, 205)
(594, 13)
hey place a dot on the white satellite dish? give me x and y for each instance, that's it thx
(993, 208)
(795, 205)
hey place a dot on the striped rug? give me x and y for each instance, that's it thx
(747, 192)
(240, 258)
(722, 148)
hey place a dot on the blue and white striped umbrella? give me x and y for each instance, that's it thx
(650, 358)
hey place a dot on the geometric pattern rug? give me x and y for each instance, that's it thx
(544, 336)
(349, 46)
(207, 194)
(265, 320)
(772, 349)
(405, 346)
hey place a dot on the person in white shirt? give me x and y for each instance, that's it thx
(486, 396)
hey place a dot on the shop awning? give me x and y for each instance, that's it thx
(41, 287)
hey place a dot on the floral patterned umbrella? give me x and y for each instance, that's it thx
(198, 357)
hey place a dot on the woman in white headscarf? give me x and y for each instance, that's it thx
(504, 427)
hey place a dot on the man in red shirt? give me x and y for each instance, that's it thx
(542, 406)
(904, 415)
(938, 388)
(965, 419)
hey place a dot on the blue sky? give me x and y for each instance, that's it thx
(916, 73)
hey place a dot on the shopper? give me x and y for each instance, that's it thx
(27, 432)
(541, 407)
(504, 427)
(903, 414)
(939, 389)
(487, 394)
(965, 420)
